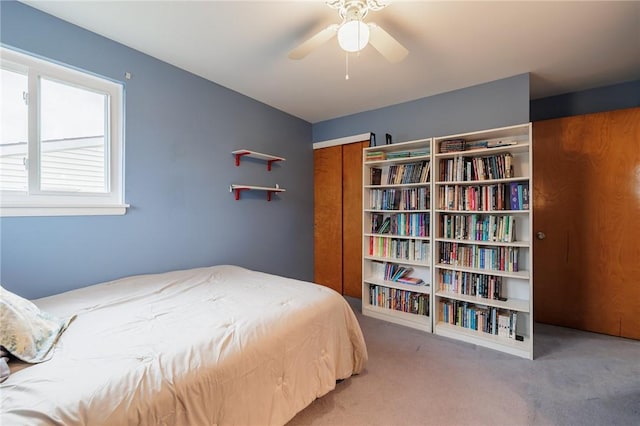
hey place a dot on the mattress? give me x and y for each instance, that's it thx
(207, 346)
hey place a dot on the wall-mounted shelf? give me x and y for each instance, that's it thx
(269, 189)
(270, 159)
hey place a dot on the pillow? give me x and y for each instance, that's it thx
(27, 333)
(4, 366)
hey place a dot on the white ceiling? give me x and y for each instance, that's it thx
(566, 46)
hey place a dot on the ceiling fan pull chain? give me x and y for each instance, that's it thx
(346, 76)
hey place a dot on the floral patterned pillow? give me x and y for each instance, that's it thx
(27, 333)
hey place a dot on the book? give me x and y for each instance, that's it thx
(504, 325)
(525, 196)
(476, 145)
(513, 196)
(376, 176)
(499, 143)
(410, 280)
(376, 222)
(508, 165)
(452, 145)
(376, 156)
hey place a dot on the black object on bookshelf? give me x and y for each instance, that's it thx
(388, 139)
(372, 139)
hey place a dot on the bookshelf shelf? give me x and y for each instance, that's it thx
(485, 243)
(405, 237)
(398, 185)
(270, 159)
(420, 322)
(522, 349)
(522, 275)
(396, 211)
(424, 288)
(398, 261)
(397, 214)
(480, 182)
(494, 212)
(521, 146)
(483, 193)
(512, 304)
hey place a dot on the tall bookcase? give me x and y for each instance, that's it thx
(455, 213)
(397, 229)
(483, 253)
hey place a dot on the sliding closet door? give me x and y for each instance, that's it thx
(587, 222)
(352, 218)
(327, 221)
(338, 217)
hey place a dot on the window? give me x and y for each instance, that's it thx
(61, 140)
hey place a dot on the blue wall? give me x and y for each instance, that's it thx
(500, 103)
(608, 98)
(180, 131)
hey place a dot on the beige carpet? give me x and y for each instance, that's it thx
(416, 378)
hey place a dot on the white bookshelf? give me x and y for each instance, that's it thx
(477, 271)
(483, 253)
(406, 204)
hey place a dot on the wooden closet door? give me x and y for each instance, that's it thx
(352, 218)
(587, 203)
(327, 220)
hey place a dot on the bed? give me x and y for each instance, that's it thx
(206, 346)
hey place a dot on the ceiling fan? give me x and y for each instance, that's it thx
(354, 34)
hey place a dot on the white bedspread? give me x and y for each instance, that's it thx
(207, 346)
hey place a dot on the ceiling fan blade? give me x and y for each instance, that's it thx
(388, 46)
(307, 46)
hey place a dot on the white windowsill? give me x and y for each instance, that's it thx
(63, 210)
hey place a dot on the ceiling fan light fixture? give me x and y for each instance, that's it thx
(353, 35)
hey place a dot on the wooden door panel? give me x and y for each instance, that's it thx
(352, 218)
(327, 221)
(587, 202)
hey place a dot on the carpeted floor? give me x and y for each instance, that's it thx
(417, 378)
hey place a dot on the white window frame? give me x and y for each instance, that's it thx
(57, 203)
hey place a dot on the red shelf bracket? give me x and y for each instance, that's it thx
(238, 155)
(237, 192)
(269, 163)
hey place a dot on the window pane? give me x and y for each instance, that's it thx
(72, 134)
(13, 131)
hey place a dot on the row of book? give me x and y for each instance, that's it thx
(475, 227)
(397, 174)
(400, 199)
(487, 258)
(402, 224)
(484, 319)
(375, 156)
(399, 300)
(391, 155)
(501, 196)
(471, 284)
(459, 144)
(392, 248)
(461, 169)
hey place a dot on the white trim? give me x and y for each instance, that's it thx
(35, 201)
(342, 141)
(67, 210)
